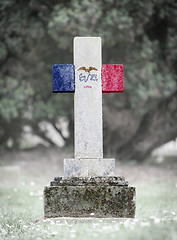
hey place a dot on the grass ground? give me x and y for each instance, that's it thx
(21, 209)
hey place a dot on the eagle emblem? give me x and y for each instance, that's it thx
(88, 69)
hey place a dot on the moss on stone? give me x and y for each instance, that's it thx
(81, 201)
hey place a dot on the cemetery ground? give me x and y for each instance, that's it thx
(24, 174)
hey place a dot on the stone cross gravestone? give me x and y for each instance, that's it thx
(89, 184)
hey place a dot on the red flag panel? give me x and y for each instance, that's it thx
(112, 78)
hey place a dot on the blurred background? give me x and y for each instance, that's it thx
(140, 124)
(141, 35)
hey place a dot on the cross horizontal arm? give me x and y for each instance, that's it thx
(64, 77)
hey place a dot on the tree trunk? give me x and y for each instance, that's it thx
(155, 128)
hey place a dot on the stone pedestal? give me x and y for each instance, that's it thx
(88, 167)
(89, 197)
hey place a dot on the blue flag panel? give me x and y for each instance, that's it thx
(63, 78)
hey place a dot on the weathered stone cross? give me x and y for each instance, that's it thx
(88, 78)
(89, 186)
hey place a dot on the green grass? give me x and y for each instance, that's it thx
(21, 216)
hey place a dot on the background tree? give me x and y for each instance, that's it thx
(141, 35)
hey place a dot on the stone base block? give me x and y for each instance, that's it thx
(93, 197)
(89, 167)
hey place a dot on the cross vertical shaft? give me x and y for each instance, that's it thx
(88, 98)
(88, 78)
